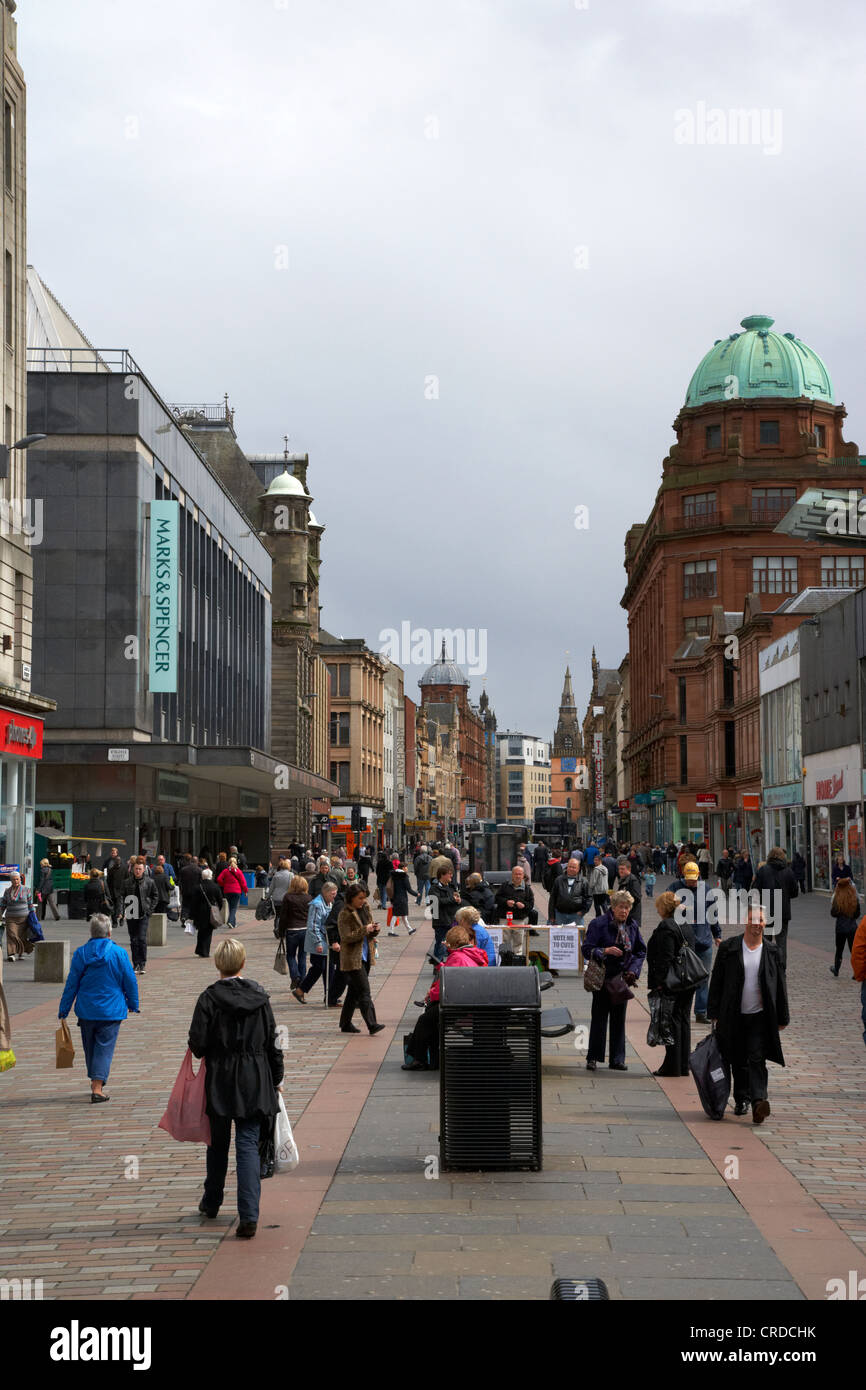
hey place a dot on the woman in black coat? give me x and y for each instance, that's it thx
(661, 952)
(479, 895)
(292, 926)
(845, 907)
(398, 888)
(207, 895)
(95, 896)
(233, 1028)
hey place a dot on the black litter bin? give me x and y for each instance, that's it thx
(490, 1068)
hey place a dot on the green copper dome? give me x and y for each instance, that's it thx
(759, 364)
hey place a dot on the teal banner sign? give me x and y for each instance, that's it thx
(164, 561)
(790, 795)
(642, 799)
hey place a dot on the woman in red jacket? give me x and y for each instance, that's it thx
(460, 941)
(233, 884)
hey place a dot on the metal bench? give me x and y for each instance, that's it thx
(555, 1023)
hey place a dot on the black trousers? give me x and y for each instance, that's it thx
(843, 935)
(425, 1034)
(749, 1059)
(137, 928)
(337, 978)
(602, 1011)
(318, 966)
(203, 940)
(357, 997)
(676, 1061)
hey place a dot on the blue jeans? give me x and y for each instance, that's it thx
(439, 949)
(247, 1135)
(98, 1038)
(423, 889)
(297, 960)
(705, 953)
(562, 918)
(233, 899)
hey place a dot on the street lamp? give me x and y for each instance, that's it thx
(21, 444)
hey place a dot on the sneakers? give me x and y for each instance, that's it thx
(411, 930)
(741, 1107)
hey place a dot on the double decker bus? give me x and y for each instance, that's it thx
(552, 824)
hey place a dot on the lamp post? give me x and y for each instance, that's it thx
(24, 443)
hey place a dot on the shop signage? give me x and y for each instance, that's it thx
(471, 812)
(828, 788)
(751, 801)
(623, 805)
(598, 758)
(20, 735)
(118, 755)
(789, 795)
(164, 561)
(641, 799)
(706, 799)
(657, 794)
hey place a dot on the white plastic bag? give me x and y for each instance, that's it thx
(174, 897)
(286, 1154)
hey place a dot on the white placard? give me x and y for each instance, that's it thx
(564, 951)
(118, 755)
(495, 934)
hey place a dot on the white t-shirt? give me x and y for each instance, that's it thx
(752, 1001)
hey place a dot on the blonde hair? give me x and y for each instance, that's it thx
(298, 884)
(666, 904)
(229, 957)
(233, 862)
(467, 915)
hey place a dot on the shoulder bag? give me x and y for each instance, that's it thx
(688, 970)
(216, 917)
(593, 975)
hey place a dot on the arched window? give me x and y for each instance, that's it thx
(568, 784)
(568, 803)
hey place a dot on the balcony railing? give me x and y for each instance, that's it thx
(78, 359)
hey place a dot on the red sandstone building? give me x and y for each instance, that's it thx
(444, 691)
(758, 427)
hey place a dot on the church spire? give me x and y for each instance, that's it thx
(566, 739)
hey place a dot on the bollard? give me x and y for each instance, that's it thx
(50, 962)
(157, 929)
(254, 896)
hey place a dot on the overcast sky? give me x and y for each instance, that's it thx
(429, 173)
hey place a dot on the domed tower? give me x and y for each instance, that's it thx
(444, 687)
(759, 425)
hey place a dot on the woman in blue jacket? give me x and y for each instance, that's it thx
(102, 986)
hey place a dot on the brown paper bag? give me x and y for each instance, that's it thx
(65, 1050)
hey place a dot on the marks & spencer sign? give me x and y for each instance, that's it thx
(164, 561)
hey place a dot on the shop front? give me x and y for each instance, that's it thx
(784, 819)
(833, 795)
(20, 751)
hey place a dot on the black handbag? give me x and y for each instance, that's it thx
(216, 917)
(688, 970)
(617, 990)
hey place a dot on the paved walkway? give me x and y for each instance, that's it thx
(636, 1186)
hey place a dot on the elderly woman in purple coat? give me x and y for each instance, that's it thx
(614, 940)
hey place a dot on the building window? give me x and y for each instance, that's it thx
(842, 571)
(774, 574)
(340, 775)
(769, 504)
(338, 674)
(768, 432)
(339, 729)
(568, 785)
(10, 303)
(713, 436)
(9, 147)
(730, 748)
(684, 759)
(699, 579)
(699, 508)
(681, 686)
(697, 625)
(820, 433)
(727, 682)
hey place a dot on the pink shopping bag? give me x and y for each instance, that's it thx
(185, 1116)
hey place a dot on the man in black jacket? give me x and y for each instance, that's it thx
(570, 897)
(626, 882)
(748, 999)
(140, 899)
(777, 878)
